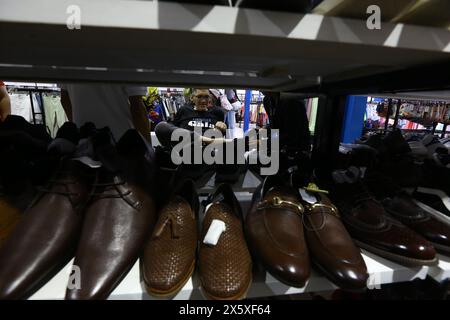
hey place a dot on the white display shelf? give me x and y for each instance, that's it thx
(442, 271)
(381, 272)
(172, 43)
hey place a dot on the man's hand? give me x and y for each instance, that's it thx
(221, 126)
(207, 140)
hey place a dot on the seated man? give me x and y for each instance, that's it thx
(193, 117)
(196, 139)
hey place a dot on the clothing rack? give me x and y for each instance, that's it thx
(34, 89)
(398, 102)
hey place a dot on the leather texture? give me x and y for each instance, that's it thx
(52, 227)
(169, 256)
(275, 233)
(226, 268)
(401, 206)
(367, 221)
(331, 248)
(118, 219)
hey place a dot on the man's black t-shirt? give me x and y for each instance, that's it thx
(188, 118)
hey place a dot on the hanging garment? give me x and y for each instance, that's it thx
(37, 108)
(21, 105)
(55, 116)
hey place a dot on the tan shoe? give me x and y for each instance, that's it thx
(225, 268)
(168, 260)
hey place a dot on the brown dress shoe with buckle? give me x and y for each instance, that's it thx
(331, 248)
(275, 232)
(46, 237)
(168, 260)
(225, 268)
(118, 219)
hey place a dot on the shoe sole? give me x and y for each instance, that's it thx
(441, 194)
(435, 213)
(173, 291)
(406, 261)
(240, 296)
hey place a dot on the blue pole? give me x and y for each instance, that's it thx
(248, 98)
(355, 110)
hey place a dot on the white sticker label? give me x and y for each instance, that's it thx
(214, 232)
(308, 197)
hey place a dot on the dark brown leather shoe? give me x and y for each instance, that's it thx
(401, 206)
(169, 255)
(225, 268)
(275, 232)
(373, 229)
(331, 248)
(404, 209)
(52, 227)
(118, 219)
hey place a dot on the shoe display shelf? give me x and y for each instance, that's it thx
(216, 46)
(381, 272)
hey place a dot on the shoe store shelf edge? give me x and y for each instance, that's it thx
(381, 271)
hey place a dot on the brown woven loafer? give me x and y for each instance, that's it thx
(168, 260)
(226, 268)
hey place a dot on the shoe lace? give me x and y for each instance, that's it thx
(56, 181)
(106, 186)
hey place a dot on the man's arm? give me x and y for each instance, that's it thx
(5, 104)
(66, 104)
(139, 117)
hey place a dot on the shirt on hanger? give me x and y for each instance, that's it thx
(54, 113)
(21, 105)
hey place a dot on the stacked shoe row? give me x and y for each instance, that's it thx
(100, 206)
(430, 147)
(96, 208)
(288, 229)
(218, 249)
(381, 200)
(284, 231)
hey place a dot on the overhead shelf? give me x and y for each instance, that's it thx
(417, 12)
(381, 272)
(180, 44)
